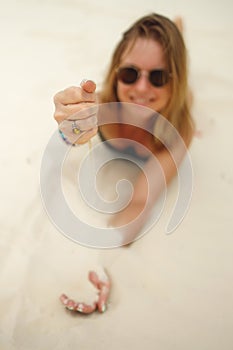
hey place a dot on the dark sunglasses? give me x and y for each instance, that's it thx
(129, 75)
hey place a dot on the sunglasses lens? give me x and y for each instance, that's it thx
(158, 77)
(127, 75)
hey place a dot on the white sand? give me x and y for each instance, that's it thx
(169, 292)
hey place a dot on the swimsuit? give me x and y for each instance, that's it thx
(129, 150)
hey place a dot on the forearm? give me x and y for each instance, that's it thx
(153, 179)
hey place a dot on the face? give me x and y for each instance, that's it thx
(146, 55)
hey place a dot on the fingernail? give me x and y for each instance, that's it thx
(80, 308)
(103, 308)
(70, 307)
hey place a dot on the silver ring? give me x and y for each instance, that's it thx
(75, 128)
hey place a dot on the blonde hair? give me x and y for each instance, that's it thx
(164, 31)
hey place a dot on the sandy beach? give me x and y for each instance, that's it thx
(168, 291)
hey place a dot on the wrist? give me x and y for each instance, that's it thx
(65, 139)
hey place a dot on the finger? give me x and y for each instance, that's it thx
(77, 306)
(74, 108)
(87, 111)
(85, 308)
(103, 298)
(103, 284)
(93, 278)
(85, 124)
(86, 136)
(79, 132)
(73, 95)
(73, 112)
(88, 85)
(99, 280)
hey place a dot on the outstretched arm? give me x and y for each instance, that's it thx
(156, 175)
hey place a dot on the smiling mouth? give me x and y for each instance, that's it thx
(142, 101)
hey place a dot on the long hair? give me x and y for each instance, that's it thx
(164, 31)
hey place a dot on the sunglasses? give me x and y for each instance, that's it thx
(129, 75)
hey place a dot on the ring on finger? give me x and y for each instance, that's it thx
(75, 128)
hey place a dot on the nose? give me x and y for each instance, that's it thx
(142, 84)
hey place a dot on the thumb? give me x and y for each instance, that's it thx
(88, 85)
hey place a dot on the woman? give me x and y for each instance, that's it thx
(149, 70)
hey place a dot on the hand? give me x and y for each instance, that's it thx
(75, 112)
(102, 284)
